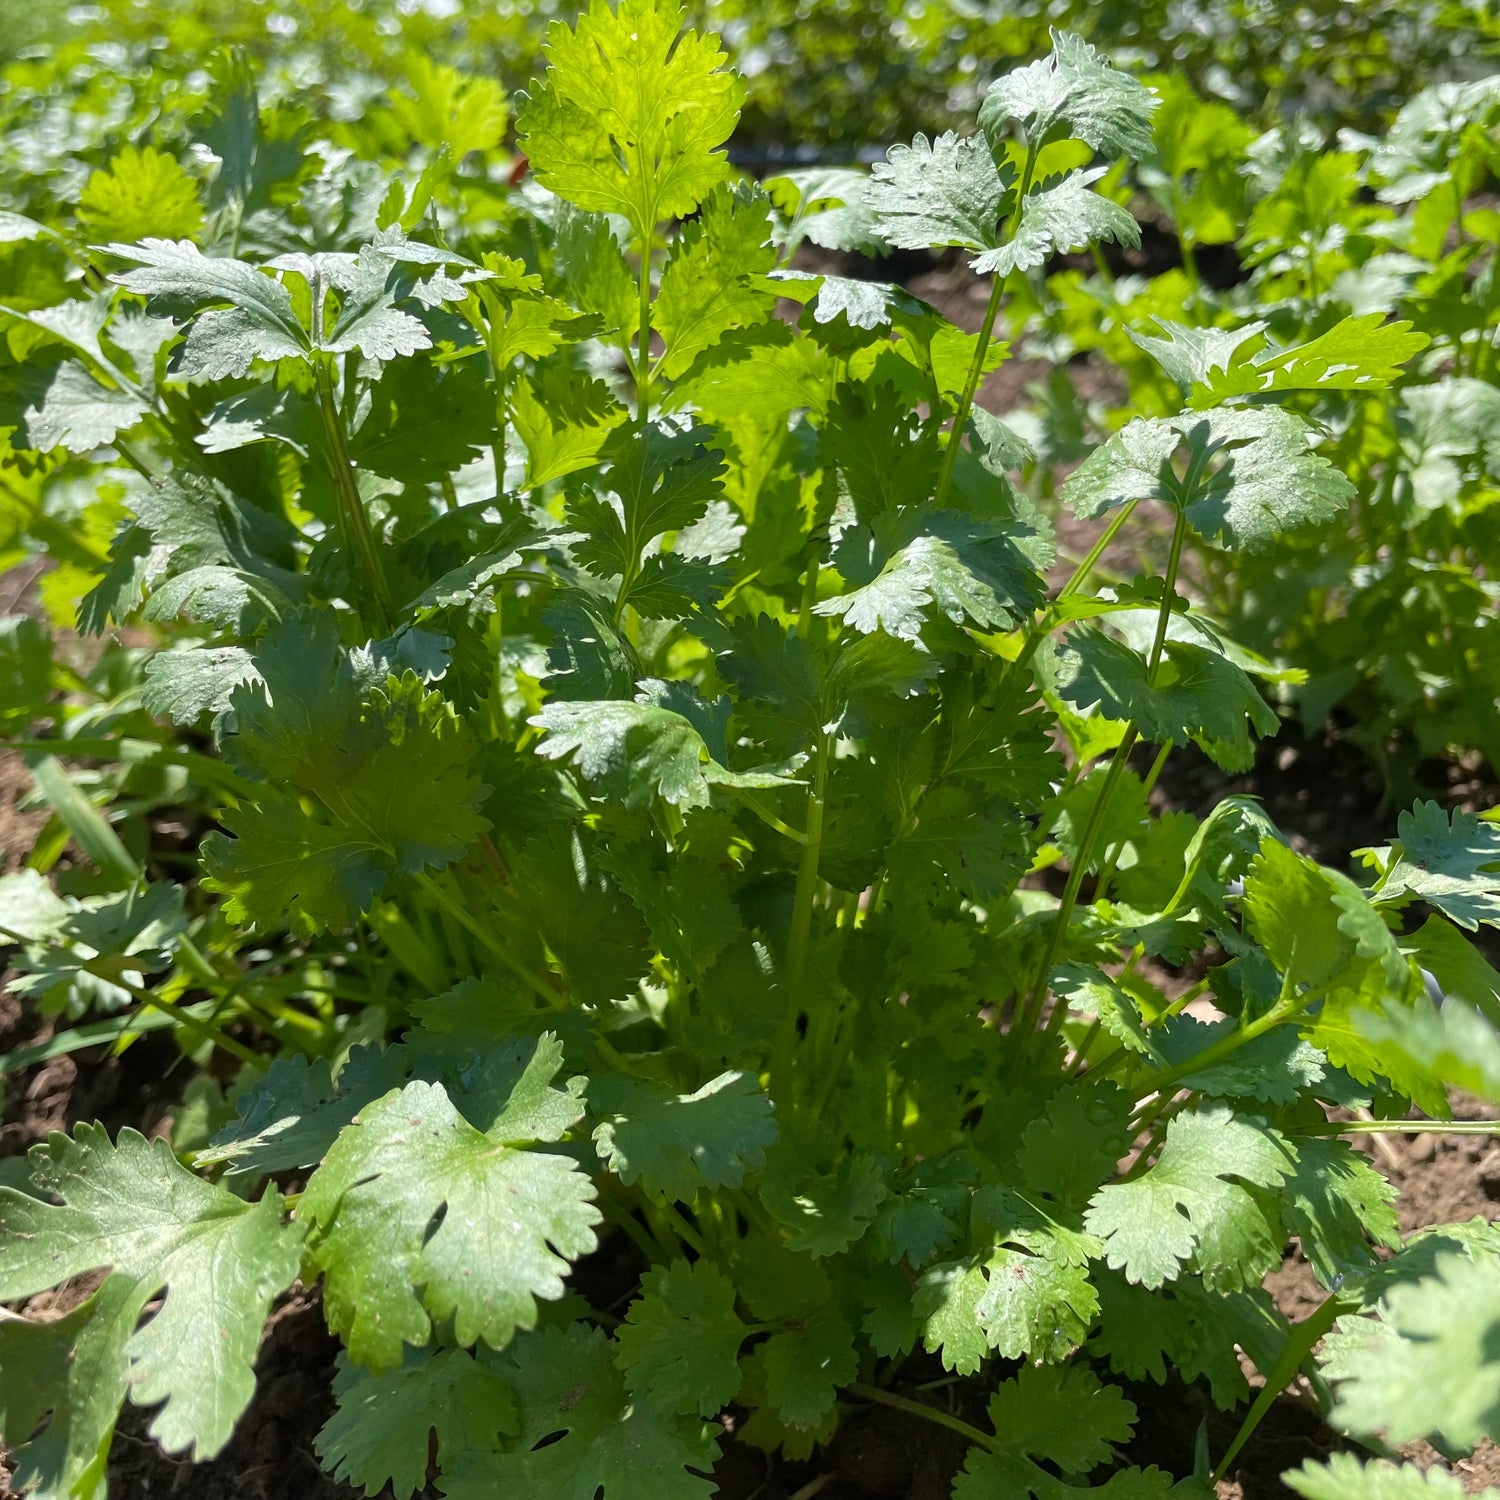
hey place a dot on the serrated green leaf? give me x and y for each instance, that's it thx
(708, 285)
(631, 113)
(384, 1429)
(680, 1342)
(1188, 1208)
(1347, 1477)
(1452, 863)
(221, 1262)
(1256, 477)
(1059, 217)
(1076, 89)
(1198, 694)
(804, 1368)
(1434, 1373)
(566, 1383)
(1063, 1414)
(673, 1143)
(637, 752)
(511, 1221)
(1357, 354)
(942, 192)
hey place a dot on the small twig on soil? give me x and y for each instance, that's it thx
(815, 1487)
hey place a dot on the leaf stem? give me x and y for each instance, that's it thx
(1300, 1340)
(643, 336)
(488, 941)
(203, 1030)
(351, 508)
(801, 930)
(1031, 1013)
(1402, 1127)
(982, 347)
(927, 1413)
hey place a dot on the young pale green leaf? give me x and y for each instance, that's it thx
(943, 192)
(1063, 1414)
(259, 322)
(1057, 218)
(1072, 92)
(631, 114)
(511, 1221)
(673, 1144)
(221, 1262)
(1454, 1045)
(67, 407)
(1198, 695)
(1433, 1371)
(1256, 477)
(680, 1342)
(1347, 1477)
(566, 1383)
(1357, 354)
(709, 285)
(384, 1428)
(1452, 864)
(1187, 1208)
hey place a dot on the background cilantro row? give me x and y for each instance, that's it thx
(640, 708)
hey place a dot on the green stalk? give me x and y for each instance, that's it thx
(355, 524)
(1227, 1046)
(976, 365)
(489, 942)
(1294, 1352)
(1030, 1013)
(203, 1030)
(1043, 627)
(801, 932)
(1402, 1127)
(643, 337)
(927, 1413)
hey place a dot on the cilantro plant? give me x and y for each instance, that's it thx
(668, 799)
(1387, 624)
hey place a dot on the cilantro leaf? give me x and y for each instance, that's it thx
(388, 766)
(566, 1383)
(259, 323)
(1452, 865)
(1063, 1414)
(1433, 1372)
(637, 752)
(707, 286)
(1255, 474)
(1455, 1044)
(631, 113)
(1059, 217)
(68, 407)
(76, 1371)
(221, 1262)
(680, 1342)
(1347, 1477)
(804, 1367)
(672, 1143)
(912, 562)
(1073, 91)
(1357, 354)
(1198, 695)
(942, 192)
(1188, 1208)
(382, 1432)
(510, 1220)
